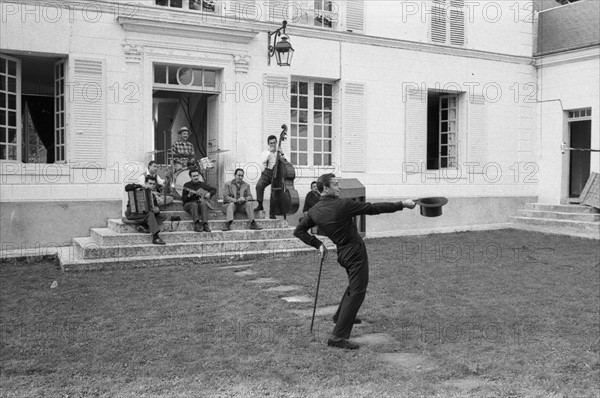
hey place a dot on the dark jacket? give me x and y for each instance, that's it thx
(192, 197)
(333, 216)
(311, 200)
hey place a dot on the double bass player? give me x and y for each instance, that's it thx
(268, 160)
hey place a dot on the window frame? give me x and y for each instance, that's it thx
(311, 124)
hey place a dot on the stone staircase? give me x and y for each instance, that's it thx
(119, 245)
(578, 220)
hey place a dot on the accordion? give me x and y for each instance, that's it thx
(140, 200)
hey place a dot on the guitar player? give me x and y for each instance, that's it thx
(196, 195)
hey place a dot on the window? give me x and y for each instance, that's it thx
(324, 13)
(580, 113)
(321, 13)
(442, 129)
(448, 22)
(178, 75)
(32, 109)
(199, 5)
(311, 132)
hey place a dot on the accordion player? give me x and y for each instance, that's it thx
(141, 200)
(143, 210)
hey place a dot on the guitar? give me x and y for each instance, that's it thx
(211, 202)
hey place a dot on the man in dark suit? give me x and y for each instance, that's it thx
(333, 216)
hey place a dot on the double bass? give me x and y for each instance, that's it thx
(284, 197)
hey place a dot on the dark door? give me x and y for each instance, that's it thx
(579, 170)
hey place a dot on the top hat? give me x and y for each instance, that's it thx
(431, 207)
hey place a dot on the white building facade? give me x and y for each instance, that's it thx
(413, 98)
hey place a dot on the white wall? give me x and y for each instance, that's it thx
(576, 84)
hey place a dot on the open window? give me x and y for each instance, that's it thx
(442, 130)
(32, 109)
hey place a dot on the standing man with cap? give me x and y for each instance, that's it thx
(333, 216)
(183, 150)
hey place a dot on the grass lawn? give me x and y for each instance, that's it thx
(480, 314)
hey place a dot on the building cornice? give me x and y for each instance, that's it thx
(168, 21)
(567, 57)
(209, 32)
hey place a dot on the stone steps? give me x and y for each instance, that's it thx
(588, 217)
(120, 245)
(117, 225)
(108, 237)
(574, 219)
(562, 208)
(69, 261)
(87, 248)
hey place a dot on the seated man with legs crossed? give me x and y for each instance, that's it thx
(195, 196)
(237, 196)
(149, 222)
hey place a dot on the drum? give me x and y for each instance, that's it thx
(206, 164)
(180, 177)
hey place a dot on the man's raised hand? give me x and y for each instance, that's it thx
(322, 251)
(409, 203)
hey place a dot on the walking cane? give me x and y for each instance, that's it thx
(317, 293)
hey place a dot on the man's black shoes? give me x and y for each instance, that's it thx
(227, 226)
(197, 227)
(342, 343)
(158, 241)
(205, 227)
(254, 226)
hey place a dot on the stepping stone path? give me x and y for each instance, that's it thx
(282, 288)
(330, 310)
(410, 361)
(374, 339)
(297, 299)
(245, 273)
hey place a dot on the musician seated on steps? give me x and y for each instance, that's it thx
(196, 200)
(268, 159)
(237, 196)
(159, 186)
(149, 222)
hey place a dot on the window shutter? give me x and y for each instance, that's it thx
(457, 23)
(438, 21)
(354, 128)
(355, 16)
(87, 146)
(416, 128)
(476, 134)
(276, 106)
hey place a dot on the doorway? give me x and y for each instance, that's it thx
(173, 110)
(580, 136)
